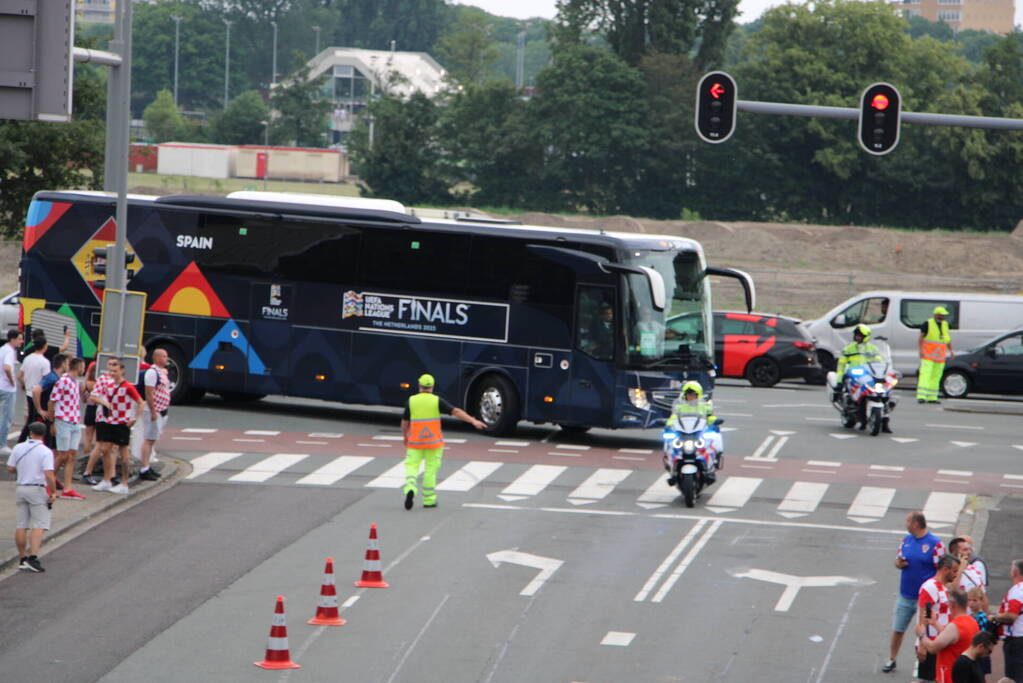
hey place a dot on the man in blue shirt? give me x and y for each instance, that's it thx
(917, 560)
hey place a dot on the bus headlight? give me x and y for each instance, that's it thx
(638, 398)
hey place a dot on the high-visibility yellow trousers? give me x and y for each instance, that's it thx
(929, 380)
(430, 458)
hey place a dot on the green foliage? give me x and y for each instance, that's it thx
(301, 114)
(37, 156)
(414, 25)
(242, 121)
(402, 159)
(163, 120)
(468, 52)
(695, 28)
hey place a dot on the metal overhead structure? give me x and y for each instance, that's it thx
(36, 71)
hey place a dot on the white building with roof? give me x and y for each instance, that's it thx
(351, 75)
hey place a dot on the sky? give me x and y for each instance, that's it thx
(524, 9)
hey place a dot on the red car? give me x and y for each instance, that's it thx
(762, 348)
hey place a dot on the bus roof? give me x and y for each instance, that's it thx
(388, 211)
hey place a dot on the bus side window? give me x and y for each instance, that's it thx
(416, 262)
(595, 322)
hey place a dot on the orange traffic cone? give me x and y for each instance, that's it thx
(372, 577)
(277, 655)
(326, 609)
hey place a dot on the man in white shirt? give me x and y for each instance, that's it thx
(8, 384)
(34, 367)
(34, 495)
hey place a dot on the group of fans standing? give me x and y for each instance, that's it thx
(70, 406)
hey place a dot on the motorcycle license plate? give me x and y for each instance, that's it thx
(688, 469)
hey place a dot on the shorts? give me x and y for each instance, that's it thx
(90, 415)
(69, 436)
(927, 670)
(33, 511)
(117, 434)
(905, 610)
(151, 429)
(1013, 650)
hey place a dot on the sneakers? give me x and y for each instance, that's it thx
(149, 475)
(4, 450)
(90, 479)
(429, 505)
(886, 428)
(671, 481)
(103, 486)
(889, 666)
(31, 564)
(919, 400)
(120, 488)
(71, 494)
(409, 495)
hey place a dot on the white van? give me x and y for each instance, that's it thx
(972, 319)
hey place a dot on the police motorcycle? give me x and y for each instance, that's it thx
(865, 394)
(691, 455)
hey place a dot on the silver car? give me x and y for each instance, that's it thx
(9, 312)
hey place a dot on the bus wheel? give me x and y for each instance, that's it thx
(177, 373)
(494, 400)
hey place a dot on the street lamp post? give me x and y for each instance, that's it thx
(520, 61)
(266, 149)
(227, 60)
(273, 76)
(316, 30)
(177, 37)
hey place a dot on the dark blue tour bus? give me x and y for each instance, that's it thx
(350, 300)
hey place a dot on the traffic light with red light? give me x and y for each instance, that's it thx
(880, 112)
(716, 97)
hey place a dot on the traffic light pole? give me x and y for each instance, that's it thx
(852, 114)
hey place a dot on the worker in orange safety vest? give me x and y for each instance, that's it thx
(935, 349)
(424, 441)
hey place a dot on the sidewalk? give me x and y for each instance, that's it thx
(70, 514)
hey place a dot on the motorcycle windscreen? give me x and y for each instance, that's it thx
(691, 423)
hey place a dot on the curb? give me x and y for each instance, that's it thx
(987, 407)
(139, 494)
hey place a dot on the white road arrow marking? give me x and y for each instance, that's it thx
(903, 439)
(781, 432)
(793, 583)
(546, 565)
(963, 444)
(842, 436)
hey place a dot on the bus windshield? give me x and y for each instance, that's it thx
(680, 335)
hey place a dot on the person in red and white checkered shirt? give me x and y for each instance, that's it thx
(1010, 616)
(122, 405)
(93, 416)
(154, 416)
(66, 408)
(933, 612)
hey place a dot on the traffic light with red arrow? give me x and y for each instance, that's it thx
(716, 97)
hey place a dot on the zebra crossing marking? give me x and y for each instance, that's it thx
(531, 482)
(268, 467)
(470, 474)
(209, 461)
(597, 486)
(733, 493)
(335, 470)
(802, 499)
(870, 504)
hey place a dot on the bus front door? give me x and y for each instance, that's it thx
(593, 375)
(269, 339)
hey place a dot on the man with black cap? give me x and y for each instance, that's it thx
(424, 441)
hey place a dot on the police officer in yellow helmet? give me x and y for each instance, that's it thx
(691, 402)
(935, 349)
(860, 351)
(424, 441)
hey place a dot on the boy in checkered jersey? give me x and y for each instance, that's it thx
(65, 408)
(122, 405)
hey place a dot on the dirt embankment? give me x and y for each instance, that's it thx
(804, 270)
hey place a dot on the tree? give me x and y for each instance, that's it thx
(468, 52)
(588, 122)
(403, 160)
(163, 120)
(413, 25)
(37, 156)
(301, 113)
(242, 121)
(697, 28)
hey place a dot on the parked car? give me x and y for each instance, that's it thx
(898, 316)
(9, 310)
(762, 348)
(995, 367)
